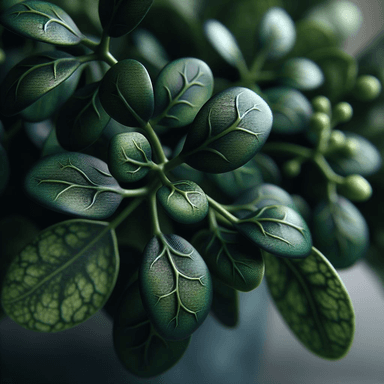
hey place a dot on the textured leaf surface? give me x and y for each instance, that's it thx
(313, 301)
(33, 78)
(42, 21)
(81, 119)
(139, 347)
(119, 17)
(74, 183)
(129, 156)
(277, 229)
(119, 92)
(63, 277)
(228, 131)
(181, 89)
(175, 286)
(231, 258)
(184, 201)
(340, 232)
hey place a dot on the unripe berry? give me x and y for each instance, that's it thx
(342, 112)
(321, 104)
(337, 139)
(319, 122)
(292, 168)
(367, 88)
(351, 146)
(356, 188)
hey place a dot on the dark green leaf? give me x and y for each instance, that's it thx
(225, 304)
(365, 160)
(141, 350)
(35, 77)
(119, 17)
(119, 92)
(175, 286)
(181, 89)
(339, 69)
(184, 201)
(51, 145)
(277, 31)
(62, 277)
(279, 230)
(291, 110)
(313, 301)
(231, 258)
(129, 156)
(42, 21)
(4, 169)
(301, 73)
(228, 131)
(81, 119)
(340, 232)
(74, 183)
(268, 167)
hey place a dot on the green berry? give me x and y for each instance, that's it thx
(321, 104)
(337, 139)
(292, 168)
(367, 88)
(351, 146)
(342, 112)
(356, 188)
(319, 122)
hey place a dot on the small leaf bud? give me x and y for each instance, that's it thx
(351, 146)
(337, 139)
(321, 104)
(342, 112)
(367, 88)
(356, 188)
(319, 121)
(292, 168)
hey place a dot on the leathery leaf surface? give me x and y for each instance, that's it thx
(62, 277)
(313, 302)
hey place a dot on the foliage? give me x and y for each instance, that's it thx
(244, 151)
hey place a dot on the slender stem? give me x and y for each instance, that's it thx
(325, 168)
(87, 58)
(332, 192)
(173, 163)
(220, 209)
(89, 43)
(212, 219)
(155, 143)
(101, 49)
(154, 215)
(260, 60)
(135, 192)
(125, 213)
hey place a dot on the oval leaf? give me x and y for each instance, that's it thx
(184, 201)
(231, 258)
(121, 17)
(279, 230)
(340, 232)
(74, 183)
(82, 119)
(129, 156)
(228, 131)
(181, 89)
(119, 92)
(224, 42)
(62, 277)
(277, 32)
(42, 21)
(291, 110)
(175, 286)
(365, 161)
(313, 301)
(141, 350)
(33, 78)
(301, 73)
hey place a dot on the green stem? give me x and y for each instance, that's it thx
(220, 209)
(327, 171)
(155, 143)
(125, 213)
(260, 60)
(154, 215)
(87, 58)
(173, 163)
(101, 49)
(89, 43)
(135, 192)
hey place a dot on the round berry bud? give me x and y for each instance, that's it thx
(356, 188)
(319, 122)
(321, 104)
(342, 112)
(337, 139)
(367, 88)
(351, 145)
(292, 168)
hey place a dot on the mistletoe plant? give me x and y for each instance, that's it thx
(239, 222)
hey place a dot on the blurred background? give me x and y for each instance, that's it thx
(261, 350)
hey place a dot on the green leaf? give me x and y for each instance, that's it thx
(62, 277)
(119, 17)
(4, 169)
(301, 73)
(141, 350)
(365, 160)
(269, 169)
(313, 301)
(339, 69)
(340, 232)
(225, 304)
(279, 230)
(224, 42)
(82, 119)
(119, 92)
(35, 77)
(181, 89)
(129, 156)
(231, 258)
(74, 183)
(291, 110)
(41, 21)
(51, 145)
(277, 32)
(184, 201)
(228, 131)
(175, 286)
